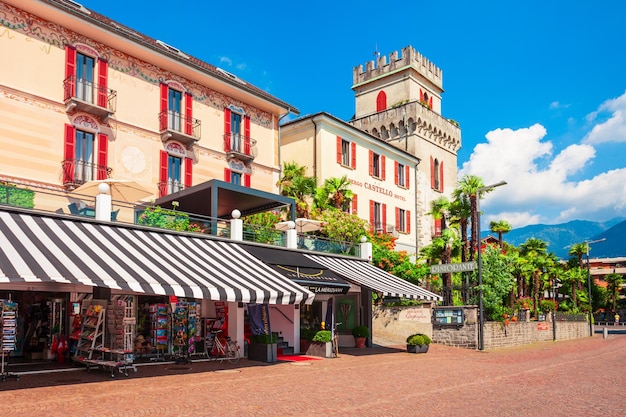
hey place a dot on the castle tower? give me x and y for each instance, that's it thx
(400, 100)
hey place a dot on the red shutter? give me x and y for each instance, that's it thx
(437, 227)
(441, 176)
(188, 172)
(246, 135)
(407, 176)
(381, 101)
(408, 221)
(226, 174)
(188, 114)
(70, 71)
(421, 95)
(355, 204)
(384, 225)
(432, 173)
(103, 146)
(353, 155)
(371, 162)
(430, 102)
(163, 114)
(395, 172)
(373, 214)
(227, 147)
(246, 180)
(383, 167)
(339, 152)
(163, 174)
(103, 91)
(397, 218)
(68, 154)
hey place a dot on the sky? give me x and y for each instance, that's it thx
(538, 87)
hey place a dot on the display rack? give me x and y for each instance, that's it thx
(8, 343)
(159, 329)
(91, 334)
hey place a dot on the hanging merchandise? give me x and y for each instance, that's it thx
(8, 343)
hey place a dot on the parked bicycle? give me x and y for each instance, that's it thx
(222, 348)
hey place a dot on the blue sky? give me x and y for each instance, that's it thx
(538, 87)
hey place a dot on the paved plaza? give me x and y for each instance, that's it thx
(584, 377)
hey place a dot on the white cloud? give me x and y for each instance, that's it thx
(614, 128)
(540, 187)
(226, 60)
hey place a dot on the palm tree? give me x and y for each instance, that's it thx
(295, 184)
(578, 250)
(469, 186)
(334, 193)
(440, 210)
(536, 253)
(500, 227)
(460, 212)
(614, 282)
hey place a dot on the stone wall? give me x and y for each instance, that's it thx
(394, 324)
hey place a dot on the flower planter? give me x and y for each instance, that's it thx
(360, 342)
(417, 348)
(325, 350)
(262, 352)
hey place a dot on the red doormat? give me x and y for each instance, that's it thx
(295, 358)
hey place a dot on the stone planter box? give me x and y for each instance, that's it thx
(263, 352)
(325, 350)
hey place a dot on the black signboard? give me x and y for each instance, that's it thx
(448, 316)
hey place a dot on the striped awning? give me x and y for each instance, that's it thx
(363, 273)
(41, 248)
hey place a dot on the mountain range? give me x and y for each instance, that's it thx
(560, 237)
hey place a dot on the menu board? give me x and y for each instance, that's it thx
(448, 316)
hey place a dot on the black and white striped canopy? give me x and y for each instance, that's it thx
(363, 273)
(40, 248)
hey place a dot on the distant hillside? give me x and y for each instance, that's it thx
(560, 237)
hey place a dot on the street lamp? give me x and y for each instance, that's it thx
(481, 318)
(587, 243)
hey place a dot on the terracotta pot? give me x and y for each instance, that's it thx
(360, 342)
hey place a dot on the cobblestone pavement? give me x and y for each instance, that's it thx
(584, 377)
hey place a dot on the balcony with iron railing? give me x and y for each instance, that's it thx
(87, 96)
(173, 125)
(379, 227)
(239, 147)
(76, 172)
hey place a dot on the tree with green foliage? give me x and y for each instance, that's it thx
(468, 186)
(614, 282)
(259, 227)
(345, 228)
(500, 228)
(156, 216)
(498, 281)
(334, 193)
(296, 184)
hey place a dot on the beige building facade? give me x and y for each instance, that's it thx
(381, 176)
(83, 98)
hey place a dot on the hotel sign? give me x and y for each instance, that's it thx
(460, 267)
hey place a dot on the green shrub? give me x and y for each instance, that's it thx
(322, 336)
(418, 339)
(360, 331)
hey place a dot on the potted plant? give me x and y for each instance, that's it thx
(360, 333)
(417, 343)
(306, 335)
(263, 348)
(321, 344)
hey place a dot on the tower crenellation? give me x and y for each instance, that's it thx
(409, 57)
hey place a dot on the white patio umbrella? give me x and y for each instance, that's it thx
(302, 225)
(120, 190)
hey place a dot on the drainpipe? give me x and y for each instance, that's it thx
(416, 215)
(314, 147)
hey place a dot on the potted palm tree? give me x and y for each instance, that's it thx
(360, 333)
(417, 343)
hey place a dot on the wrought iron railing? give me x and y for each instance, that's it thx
(89, 92)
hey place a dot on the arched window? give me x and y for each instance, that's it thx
(381, 101)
